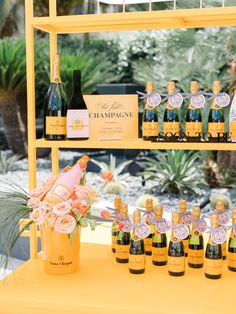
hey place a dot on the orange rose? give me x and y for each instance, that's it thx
(105, 214)
(50, 219)
(83, 209)
(107, 176)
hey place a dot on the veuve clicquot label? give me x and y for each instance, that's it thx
(171, 127)
(77, 123)
(56, 125)
(137, 261)
(231, 259)
(150, 128)
(148, 244)
(193, 128)
(213, 266)
(176, 264)
(214, 128)
(195, 257)
(122, 251)
(159, 254)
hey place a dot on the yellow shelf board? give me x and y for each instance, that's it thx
(146, 20)
(134, 144)
(102, 286)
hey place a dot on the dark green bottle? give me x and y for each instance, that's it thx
(150, 118)
(213, 255)
(171, 117)
(117, 206)
(159, 243)
(123, 240)
(232, 245)
(196, 244)
(176, 258)
(137, 256)
(216, 121)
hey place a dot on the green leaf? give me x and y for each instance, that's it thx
(83, 222)
(77, 213)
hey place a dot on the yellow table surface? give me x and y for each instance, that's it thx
(104, 286)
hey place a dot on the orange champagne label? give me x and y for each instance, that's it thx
(195, 256)
(231, 259)
(122, 251)
(171, 127)
(223, 246)
(113, 243)
(232, 129)
(148, 244)
(150, 128)
(185, 242)
(176, 264)
(193, 128)
(213, 266)
(216, 127)
(59, 194)
(137, 262)
(56, 125)
(159, 254)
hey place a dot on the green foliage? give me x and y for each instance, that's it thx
(176, 172)
(6, 161)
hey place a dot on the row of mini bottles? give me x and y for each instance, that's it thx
(193, 119)
(133, 249)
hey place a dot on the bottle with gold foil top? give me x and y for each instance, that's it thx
(55, 106)
(123, 239)
(196, 243)
(137, 255)
(159, 242)
(150, 118)
(213, 254)
(171, 115)
(148, 240)
(216, 120)
(176, 258)
(220, 206)
(183, 209)
(232, 244)
(66, 182)
(193, 126)
(117, 205)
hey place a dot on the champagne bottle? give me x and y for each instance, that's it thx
(150, 119)
(159, 242)
(232, 119)
(148, 240)
(65, 183)
(193, 128)
(123, 239)
(171, 116)
(55, 106)
(216, 121)
(183, 209)
(117, 205)
(196, 244)
(232, 245)
(77, 114)
(137, 253)
(220, 206)
(176, 259)
(213, 255)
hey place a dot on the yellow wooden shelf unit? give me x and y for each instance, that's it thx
(54, 25)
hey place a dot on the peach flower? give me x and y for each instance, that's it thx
(37, 215)
(105, 214)
(84, 192)
(39, 192)
(107, 176)
(65, 224)
(33, 202)
(83, 209)
(50, 219)
(62, 208)
(46, 206)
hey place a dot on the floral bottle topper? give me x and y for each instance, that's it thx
(162, 225)
(187, 218)
(181, 231)
(151, 217)
(218, 235)
(222, 100)
(176, 100)
(223, 218)
(201, 225)
(154, 100)
(198, 101)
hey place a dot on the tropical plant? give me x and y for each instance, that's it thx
(112, 175)
(7, 161)
(176, 172)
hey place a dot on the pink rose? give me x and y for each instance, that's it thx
(84, 192)
(62, 208)
(39, 192)
(46, 206)
(50, 219)
(37, 215)
(65, 224)
(33, 202)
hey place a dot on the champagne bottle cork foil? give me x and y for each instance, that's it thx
(150, 87)
(216, 87)
(175, 218)
(194, 87)
(124, 211)
(234, 216)
(149, 204)
(171, 87)
(196, 212)
(137, 217)
(183, 205)
(159, 211)
(117, 203)
(214, 220)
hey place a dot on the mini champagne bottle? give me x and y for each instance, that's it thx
(171, 116)
(196, 244)
(216, 121)
(183, 209)
(193, 127)
(213, 255)
(176, 259)
(220, 206)
(232, 245)
(159, 242)
(150, 119)
(148, 240)
(123, 240)
(117, 205)
(137, 256)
